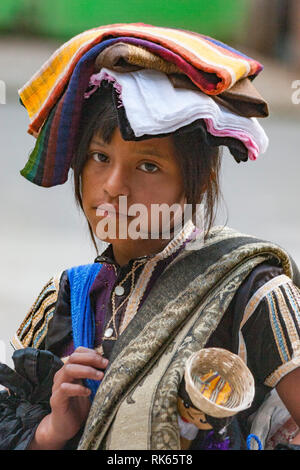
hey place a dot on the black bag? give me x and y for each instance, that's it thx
(26, 402)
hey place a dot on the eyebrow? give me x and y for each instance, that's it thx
(150, 151)
(98, 142)
(146, 151)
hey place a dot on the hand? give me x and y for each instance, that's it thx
(70, 403)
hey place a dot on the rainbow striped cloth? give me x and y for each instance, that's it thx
(54, 96)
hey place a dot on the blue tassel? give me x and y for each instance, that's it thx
(249, 438)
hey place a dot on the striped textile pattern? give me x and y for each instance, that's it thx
(50, 160)
(54, 96)
(222, 66)
(282, 300)
(284, 309)
(33, 329)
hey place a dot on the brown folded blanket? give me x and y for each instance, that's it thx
(122, 57)
(242, 99)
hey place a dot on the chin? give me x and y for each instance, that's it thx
(117, 230)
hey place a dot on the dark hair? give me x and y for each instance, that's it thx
(199, 162)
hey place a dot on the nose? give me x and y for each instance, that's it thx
(117, 181)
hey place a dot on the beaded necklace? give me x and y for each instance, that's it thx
(111, 326)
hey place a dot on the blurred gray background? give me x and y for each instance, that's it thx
(43, 232)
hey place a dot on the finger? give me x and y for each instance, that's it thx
(74, 390)
(83, 350)
(67, 390)
(71, 372)
(89, 358)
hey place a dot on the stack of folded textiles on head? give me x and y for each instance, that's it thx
(161, 79)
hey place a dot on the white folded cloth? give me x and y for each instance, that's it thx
(153, 106)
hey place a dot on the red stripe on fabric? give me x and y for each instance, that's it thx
(50, 157)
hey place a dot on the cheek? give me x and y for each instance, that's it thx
(162, 189)
(89, 192)
(158, 196)
(85, 189)
(91, 180)
(173, 189)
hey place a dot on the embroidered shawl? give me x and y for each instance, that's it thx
(136, 405)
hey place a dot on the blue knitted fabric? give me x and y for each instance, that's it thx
(81, 279)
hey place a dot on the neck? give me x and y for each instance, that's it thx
(124, 252)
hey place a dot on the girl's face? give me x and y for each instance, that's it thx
(145, 172)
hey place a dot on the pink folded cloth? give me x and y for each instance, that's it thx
(243, 136)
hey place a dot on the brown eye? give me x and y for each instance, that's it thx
(149, 167)
(99, 157)
(185, 404)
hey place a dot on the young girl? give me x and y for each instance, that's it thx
(102, 352)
